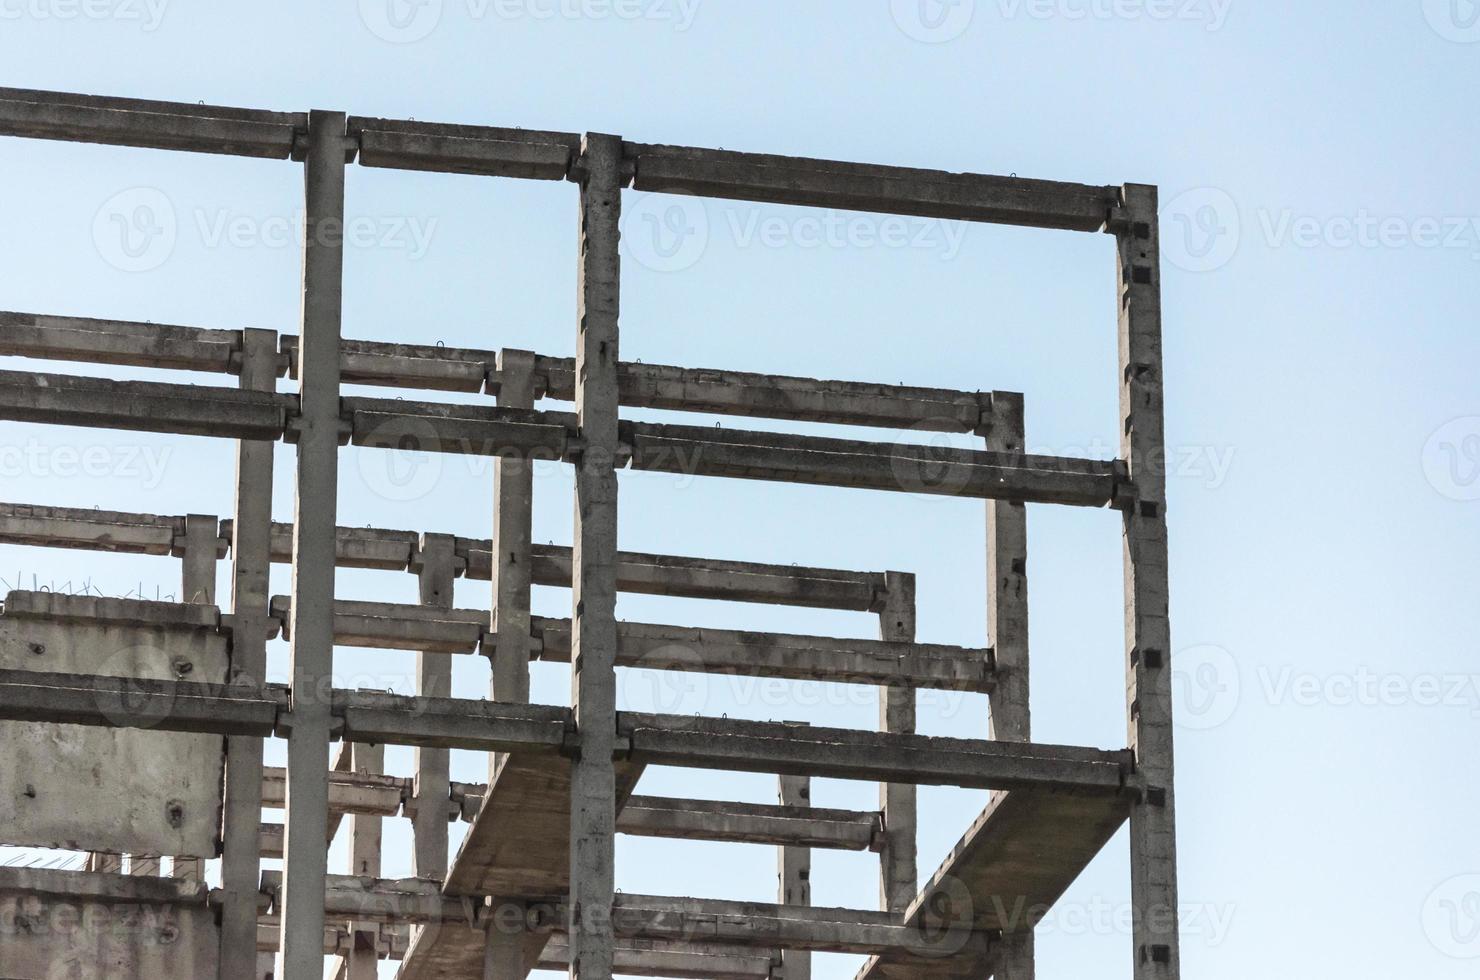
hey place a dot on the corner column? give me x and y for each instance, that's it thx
(436, 566)
(251, 561)
(306, 809)
(593, 575)
(1153, 828)
(898, 875)
(1007, 632)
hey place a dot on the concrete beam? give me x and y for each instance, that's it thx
(92, 530)
(149, 123)
(703, 650)
(750, 746)
(154, 345)
(791, 824)
(867, 187)
(142, 406)
(901, 467)
(458, 149)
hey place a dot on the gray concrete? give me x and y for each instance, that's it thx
(436, 568)
(316, 492)
(1147, 628)
(897, 875)
(250, 533)
(1007, 629)
(794, 874)
(593, 812)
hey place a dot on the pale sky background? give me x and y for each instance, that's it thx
(1322, 279)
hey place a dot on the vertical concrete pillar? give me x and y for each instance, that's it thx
(593, 577)
(251, 562)
(436, 569)
(794, 885)
(197, 585)
(364, 861)
(306, 812)
(1147, 630)
(1007, 632)
(897, 872)
(503, 950)
(513, 513)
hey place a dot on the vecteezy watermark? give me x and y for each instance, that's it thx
(1206, 686)
(1203, 228)
(1454, 20)
(1212, 14)
(1451, 917)
(148, 14)
(147, 464)
(1207, 922)
(138, 229)
(1200, 229)
(672, 232)
(135, 229)
(932, 21)
(409, 21)
(1451, 459)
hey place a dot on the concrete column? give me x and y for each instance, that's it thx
(301, 955)
(436, 569)
(364, 861)
(197, 585)
(513, 513)
(898, 877)
(251, 561)
(503, 950)
(1148, 634)
(1007, 632)
(794, 884)
(594, 572)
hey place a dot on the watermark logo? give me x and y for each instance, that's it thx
(1201, 229)
(401, 21)
(1206, 686)
(1451, 459)
(665, 232)
(1451, 917)
(1213, 14)
(135, 230)
(933, 21)
(408, 467)
(148, 14)
(1454, 20)
(669, 679)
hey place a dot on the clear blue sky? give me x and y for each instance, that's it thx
(1322, 281)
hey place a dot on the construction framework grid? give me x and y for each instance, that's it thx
(533, 884)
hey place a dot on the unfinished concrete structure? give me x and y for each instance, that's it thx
(87, 682)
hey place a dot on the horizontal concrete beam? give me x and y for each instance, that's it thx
(867, 187)
(91, 530)
(449, 148)
(367, 362)
(154, 345)
(384, 900)
(366, 793)
(900, 467)
(760, 924)
(398, 626)
(143, 406)
(391, 939)
(749, 823)
(467, 430)
(148, 123)
(746, 393)
(783, 655)
(678, 960)
(751, 746)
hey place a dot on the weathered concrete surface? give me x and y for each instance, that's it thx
(1021, 854)
(163, 788)
(86, 926)
(518, 847)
